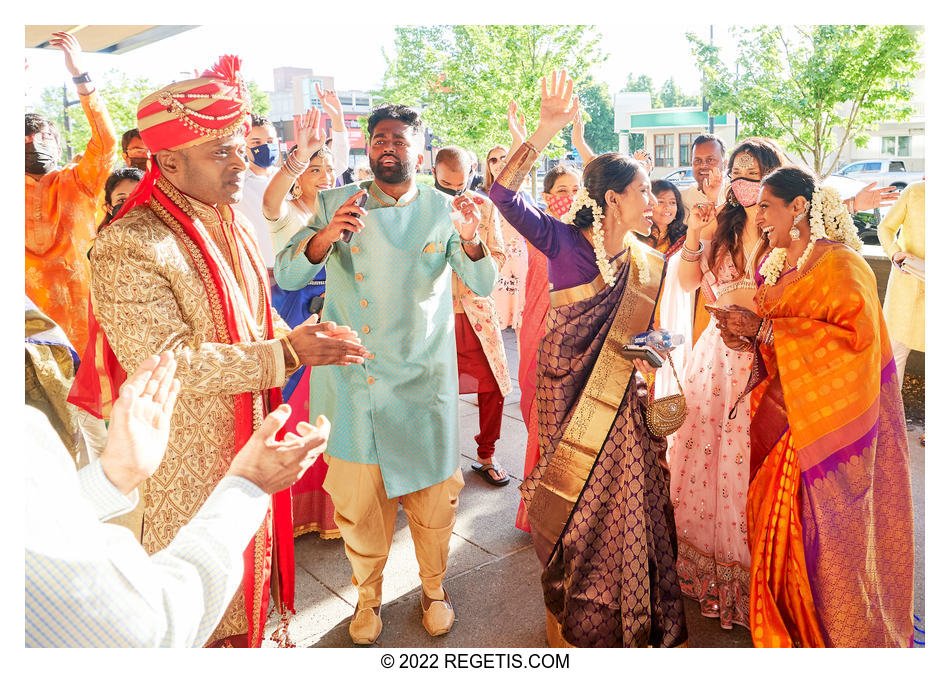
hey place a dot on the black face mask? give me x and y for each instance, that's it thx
(40, 158)
(140, 163)
(451, 192)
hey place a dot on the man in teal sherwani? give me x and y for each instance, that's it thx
(395, 417)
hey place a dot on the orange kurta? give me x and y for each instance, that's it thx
(61, 223)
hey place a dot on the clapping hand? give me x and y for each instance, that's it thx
(139, 425)
(318, 344)
(275, 465)
(310, 134)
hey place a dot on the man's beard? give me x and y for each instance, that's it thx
(395, 174)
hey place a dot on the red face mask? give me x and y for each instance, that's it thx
(558, 205)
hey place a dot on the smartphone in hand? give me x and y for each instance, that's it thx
(646, 353)
(360, 202)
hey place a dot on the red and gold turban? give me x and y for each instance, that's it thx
(196, 110)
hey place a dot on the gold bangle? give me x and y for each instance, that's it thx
(292, 352)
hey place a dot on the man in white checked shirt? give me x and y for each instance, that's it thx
(89, 583)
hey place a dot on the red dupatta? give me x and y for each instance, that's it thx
(100, 376)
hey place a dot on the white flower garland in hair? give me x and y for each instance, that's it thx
(828, 218)
(581, 199)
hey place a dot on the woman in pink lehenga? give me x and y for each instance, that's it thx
(560, 185)
(709, 455)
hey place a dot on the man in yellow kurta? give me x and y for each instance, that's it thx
(483, 365)
(902, 237)
(179, 269)
(61, 205)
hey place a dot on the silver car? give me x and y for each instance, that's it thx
(682, 178)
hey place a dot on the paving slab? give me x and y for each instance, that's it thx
(493, 603)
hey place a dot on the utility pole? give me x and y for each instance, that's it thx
(66, 104)
(712, 123)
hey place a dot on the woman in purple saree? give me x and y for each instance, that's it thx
(598, 499)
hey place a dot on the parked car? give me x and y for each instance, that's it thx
(683, 178)
(884, 172)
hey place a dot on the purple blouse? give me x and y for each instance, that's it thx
(571, 258)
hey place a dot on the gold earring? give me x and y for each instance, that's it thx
(296, 191)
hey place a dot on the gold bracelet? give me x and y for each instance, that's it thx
(292, 352)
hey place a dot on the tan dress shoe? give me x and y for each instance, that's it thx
(439, 616)
(365, 626)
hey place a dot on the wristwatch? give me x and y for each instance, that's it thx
(475, 240)
(82, 79)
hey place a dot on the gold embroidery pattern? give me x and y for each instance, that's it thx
(518, 167)
(565, 475)
(151, 296)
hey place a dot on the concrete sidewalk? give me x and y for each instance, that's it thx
(493, 573)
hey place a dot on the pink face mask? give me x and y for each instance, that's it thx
(746, 191)
(558, 205)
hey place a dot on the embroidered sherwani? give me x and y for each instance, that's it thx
(480, 311)
(149, 296)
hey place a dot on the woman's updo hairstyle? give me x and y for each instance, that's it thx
(791, 181)
(611, 171)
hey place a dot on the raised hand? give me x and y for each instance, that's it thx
(872, 197)
(559, 105)
(516, 124)
(577, 128)
(139, 425)
(332, 105)
(70, 47)
(645, 158)
(310, 134)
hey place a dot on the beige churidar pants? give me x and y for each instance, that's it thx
(367, 520)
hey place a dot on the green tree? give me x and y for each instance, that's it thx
(464, 76)
(260, 100)
(641, 83)
(670, 95)
(815, 88)
(121, 95)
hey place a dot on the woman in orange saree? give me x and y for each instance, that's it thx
(829, 507)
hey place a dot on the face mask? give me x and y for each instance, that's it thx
(39, 158)
(265, 155)
(451, 192)
(140, 163)
(558, 205)
(746, 191)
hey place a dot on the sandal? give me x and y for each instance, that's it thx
(486, 472)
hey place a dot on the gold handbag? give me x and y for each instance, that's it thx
(667, 414)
